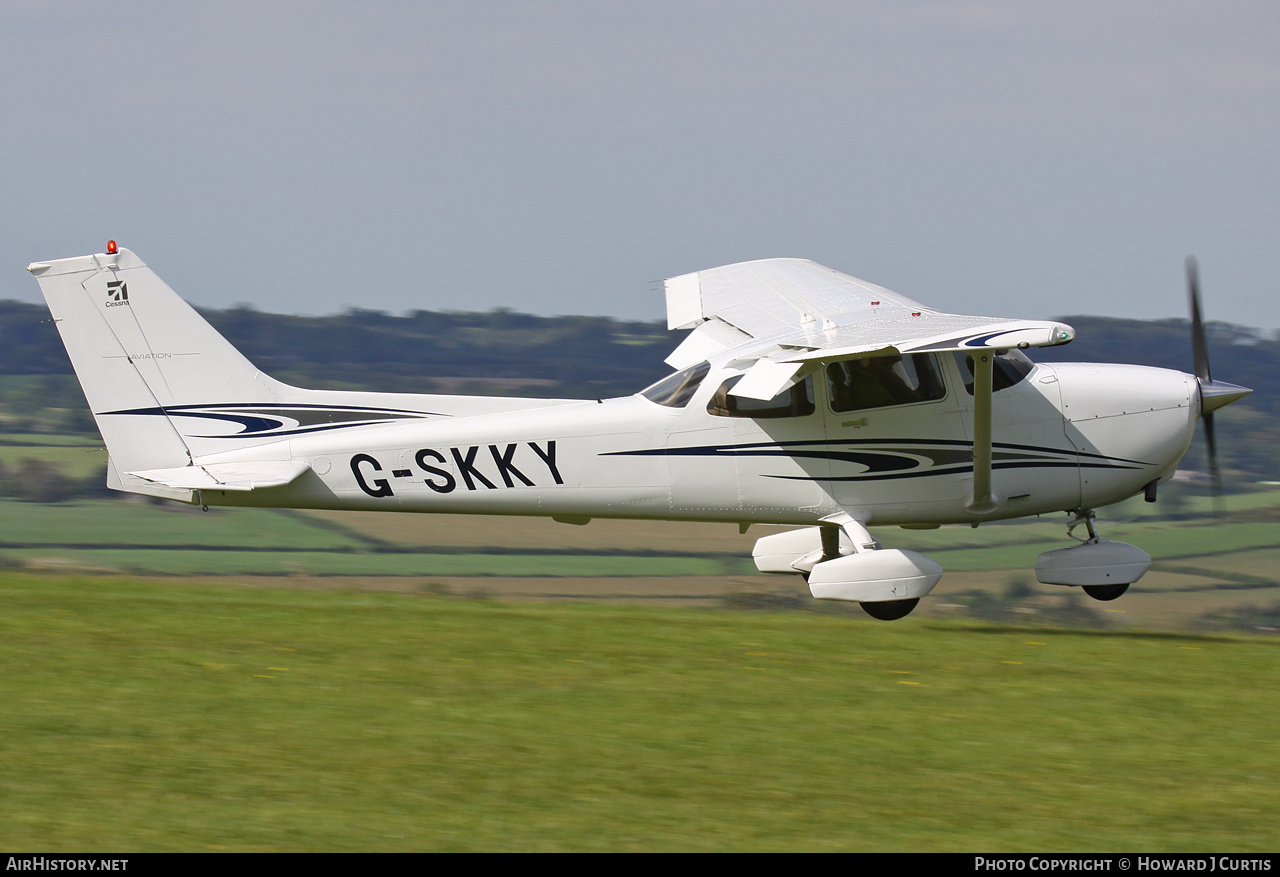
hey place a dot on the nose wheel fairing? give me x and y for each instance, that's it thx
(1096, 563)
(1102, 568)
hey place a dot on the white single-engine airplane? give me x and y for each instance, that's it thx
(802, 397)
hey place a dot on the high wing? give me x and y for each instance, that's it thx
(790, 315)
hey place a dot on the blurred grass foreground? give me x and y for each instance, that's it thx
(174, 715)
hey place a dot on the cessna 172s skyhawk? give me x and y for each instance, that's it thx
(802, 397)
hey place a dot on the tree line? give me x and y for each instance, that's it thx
(510, 353)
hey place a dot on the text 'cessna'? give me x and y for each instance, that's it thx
(803, 398)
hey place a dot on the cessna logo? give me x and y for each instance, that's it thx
(469, 467)
(117, 294)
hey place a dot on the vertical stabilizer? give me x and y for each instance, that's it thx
(140, 351)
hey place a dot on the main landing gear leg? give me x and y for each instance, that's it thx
(1105, 593)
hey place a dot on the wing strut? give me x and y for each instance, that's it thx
(982, 500)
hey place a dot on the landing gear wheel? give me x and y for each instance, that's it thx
(1106, 592)
(892, 610)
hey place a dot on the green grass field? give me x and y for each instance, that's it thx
(74, 460)
(47, 440)
(163, 716)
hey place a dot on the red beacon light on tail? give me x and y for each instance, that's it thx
(111, 248)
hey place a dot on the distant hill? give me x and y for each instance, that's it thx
(505, 352)
(421, 352)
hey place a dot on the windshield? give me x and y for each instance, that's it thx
(1010, 367)
(675, 390)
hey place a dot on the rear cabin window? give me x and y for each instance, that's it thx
(880, 381)
(795, 402)
(1009, 368)
(676, 389)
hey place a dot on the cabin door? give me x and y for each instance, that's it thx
(897, 438)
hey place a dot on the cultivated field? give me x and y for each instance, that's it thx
(1202, 564)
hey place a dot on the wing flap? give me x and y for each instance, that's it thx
(705, 341)
(766, 379)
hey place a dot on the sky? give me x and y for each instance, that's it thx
(1011, 159)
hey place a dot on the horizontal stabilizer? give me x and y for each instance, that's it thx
(254, 475)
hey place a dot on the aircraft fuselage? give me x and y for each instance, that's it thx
(1066, 436)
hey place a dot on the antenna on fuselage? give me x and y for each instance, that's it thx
(590, 386)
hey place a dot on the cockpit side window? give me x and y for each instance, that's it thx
(1008, 369)
(795, 402)
(879, 381)
(675, 390)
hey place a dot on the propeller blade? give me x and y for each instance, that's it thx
(1212, 395)
(1199, 347)
(1211, 444)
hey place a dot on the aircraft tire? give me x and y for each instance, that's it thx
(1106, 592)
(890, 610)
